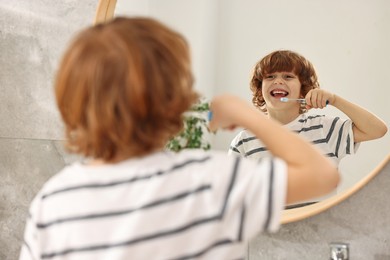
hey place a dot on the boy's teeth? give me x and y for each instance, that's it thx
(279, 92)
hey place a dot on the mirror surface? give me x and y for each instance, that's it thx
(347, 41)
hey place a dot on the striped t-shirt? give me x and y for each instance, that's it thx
(190, 205)
(332, 135)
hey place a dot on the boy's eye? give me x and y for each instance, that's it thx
(289, 76)
(270, 76)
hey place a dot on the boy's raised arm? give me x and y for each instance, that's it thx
(366, 125)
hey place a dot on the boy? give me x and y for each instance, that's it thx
(286, 75)
(122, 88)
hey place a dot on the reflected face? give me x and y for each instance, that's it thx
(281, 84)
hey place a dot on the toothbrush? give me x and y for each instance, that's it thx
(207, 115)
(300, 100)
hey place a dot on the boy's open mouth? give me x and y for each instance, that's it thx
(278, 93)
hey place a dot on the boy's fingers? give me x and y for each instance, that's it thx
(231, 128)
(308, 100)
(213, 126)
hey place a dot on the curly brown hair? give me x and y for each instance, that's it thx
(122, 88)
(279, 61)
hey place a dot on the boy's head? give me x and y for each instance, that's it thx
(122, 87)
(283, 61)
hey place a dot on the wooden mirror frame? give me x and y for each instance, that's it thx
(105, 12)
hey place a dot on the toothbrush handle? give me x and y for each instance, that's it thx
(303, 101)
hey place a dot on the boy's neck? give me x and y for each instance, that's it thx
(283, 117)
(120, 157)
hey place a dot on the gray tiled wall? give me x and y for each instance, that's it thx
(362, 221)
(33, 35)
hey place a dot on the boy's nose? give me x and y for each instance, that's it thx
(278, 80)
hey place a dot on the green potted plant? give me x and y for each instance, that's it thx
(195, 132)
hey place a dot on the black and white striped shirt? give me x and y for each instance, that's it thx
(332, 135)
(191, 205)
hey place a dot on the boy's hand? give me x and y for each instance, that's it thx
(228, 112)
(319, 98)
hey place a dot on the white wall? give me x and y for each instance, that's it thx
(196, 20)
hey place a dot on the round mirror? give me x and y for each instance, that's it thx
(346, 41)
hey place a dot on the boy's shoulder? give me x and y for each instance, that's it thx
(305, 117)
(245, 135)
(79, 174)
(70, 174)
(199, 154)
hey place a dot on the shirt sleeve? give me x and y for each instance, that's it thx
(258, 195)
(340, 136)
(30, 248)
(266, 196)
(236, 145)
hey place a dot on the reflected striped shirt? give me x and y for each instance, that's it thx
(332, 135)
(190, 205)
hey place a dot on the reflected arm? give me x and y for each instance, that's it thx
(366, 125)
